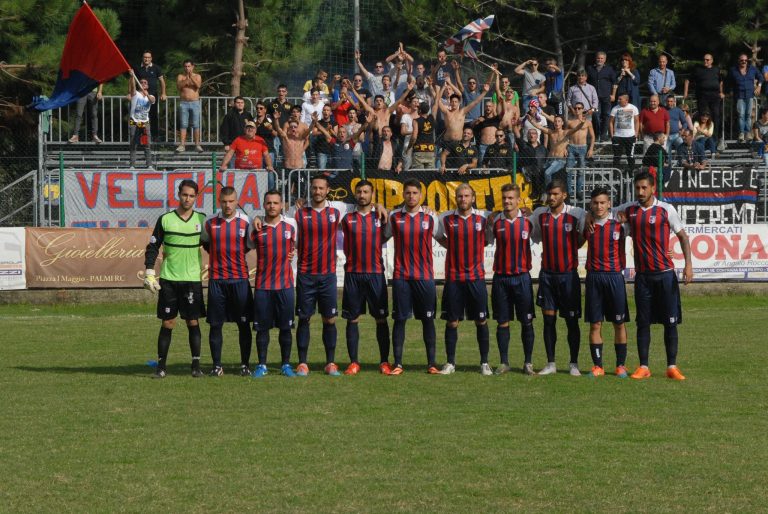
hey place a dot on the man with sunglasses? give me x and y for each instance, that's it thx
(375, 78)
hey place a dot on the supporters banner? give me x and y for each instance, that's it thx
(438, 189)
(92, 258)
(720, 252)
(714, 196)
(12, 260)
(136, 198)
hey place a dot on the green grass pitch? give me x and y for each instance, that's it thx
(84, 429)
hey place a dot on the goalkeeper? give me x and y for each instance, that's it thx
(180, 288)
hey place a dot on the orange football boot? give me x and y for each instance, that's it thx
(641, 372)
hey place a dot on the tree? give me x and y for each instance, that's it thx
(749, 29)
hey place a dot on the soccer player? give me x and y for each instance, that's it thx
(225, 237)
(274, 241)
(413, 279)
(462, 233)
(180, 286)
(364, 282)
(556, 226)
(657, 293)
(512, 289)
(606, 295)
(316, 280)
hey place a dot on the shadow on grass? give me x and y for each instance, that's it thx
(136, 370)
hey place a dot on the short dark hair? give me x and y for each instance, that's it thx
(261, 104)
(455, 96)
(272, 192)
(557, 183)
(281, 86)
(377, 97)
(188, 61)
(363, 183)
(227, 190)
(644, 175)
(188, 183)
(296, 108)
(510, 187)
(599, 191)
(412, 182)
(657, 136)
(321, 176)
(423, 108)
(239, 98)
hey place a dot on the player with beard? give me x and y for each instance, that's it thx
(556, 226)
(225, 238)
(180, 286)
(413, 280)
(274, 239)
(364, 282)
(462, 233)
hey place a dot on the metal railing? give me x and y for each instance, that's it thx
(113, 119)
(18, 201)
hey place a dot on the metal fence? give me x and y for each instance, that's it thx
(19, 200)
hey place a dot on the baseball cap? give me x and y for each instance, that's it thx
(249, 123)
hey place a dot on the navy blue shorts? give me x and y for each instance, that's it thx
(605, 297)
(657, 298)
(316, 290)
(361, 289)
(512, 298)
(273, 308)
(229, 300)
(183, 299)
(560, 292)
(413, 297)
(464, 298)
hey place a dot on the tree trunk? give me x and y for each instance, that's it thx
(240, 40)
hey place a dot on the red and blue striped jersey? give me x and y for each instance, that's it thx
(465, 244)
(273, 244)
(650, 229)
(559, 236)
(227, 243)
(363, 239)
(413, 234)
(513, 244)
(606, 246)
(317, 239)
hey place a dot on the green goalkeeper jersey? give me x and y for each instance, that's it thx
(182, 261)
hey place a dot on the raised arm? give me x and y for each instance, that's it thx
(362, 101)
(533, 121)
(407, 91)
(575, 128)
(457, 72)
(365, 73)
(473, 103)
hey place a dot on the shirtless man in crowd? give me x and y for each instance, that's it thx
(559, 138)
(294, 140)
(486, 127)
(509, 111)
(455, 115)
(188, 84)
(581, 146)
(380, 109)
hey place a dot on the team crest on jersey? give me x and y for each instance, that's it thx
(478, 226)
(241, 232)
(197, 227)
(568, 227)
(616, 236)
(287, 234)
(525, 234)
(191, 297)
(652, 219)
(377, 223)
(332, 217)
(425, 225)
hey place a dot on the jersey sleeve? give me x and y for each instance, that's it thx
(675, 223)
(388, 227)
(491, 220)
(155, 241)
(439, 232)
(251, 234)
(535, 228)
(292, 222)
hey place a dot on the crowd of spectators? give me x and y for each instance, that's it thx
(398, 114)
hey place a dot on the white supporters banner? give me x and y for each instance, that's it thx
(12, 258)
(136, 198)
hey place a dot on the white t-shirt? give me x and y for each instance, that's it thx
(406, 120)
(624, 120)
(140, 105)
(307, 108)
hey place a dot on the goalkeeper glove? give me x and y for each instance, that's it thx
(150, 282)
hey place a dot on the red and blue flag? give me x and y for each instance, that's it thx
(90, 57)
(467, 40)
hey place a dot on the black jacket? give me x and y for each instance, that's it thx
(233, 125)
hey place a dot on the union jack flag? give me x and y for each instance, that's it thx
(470, 36)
